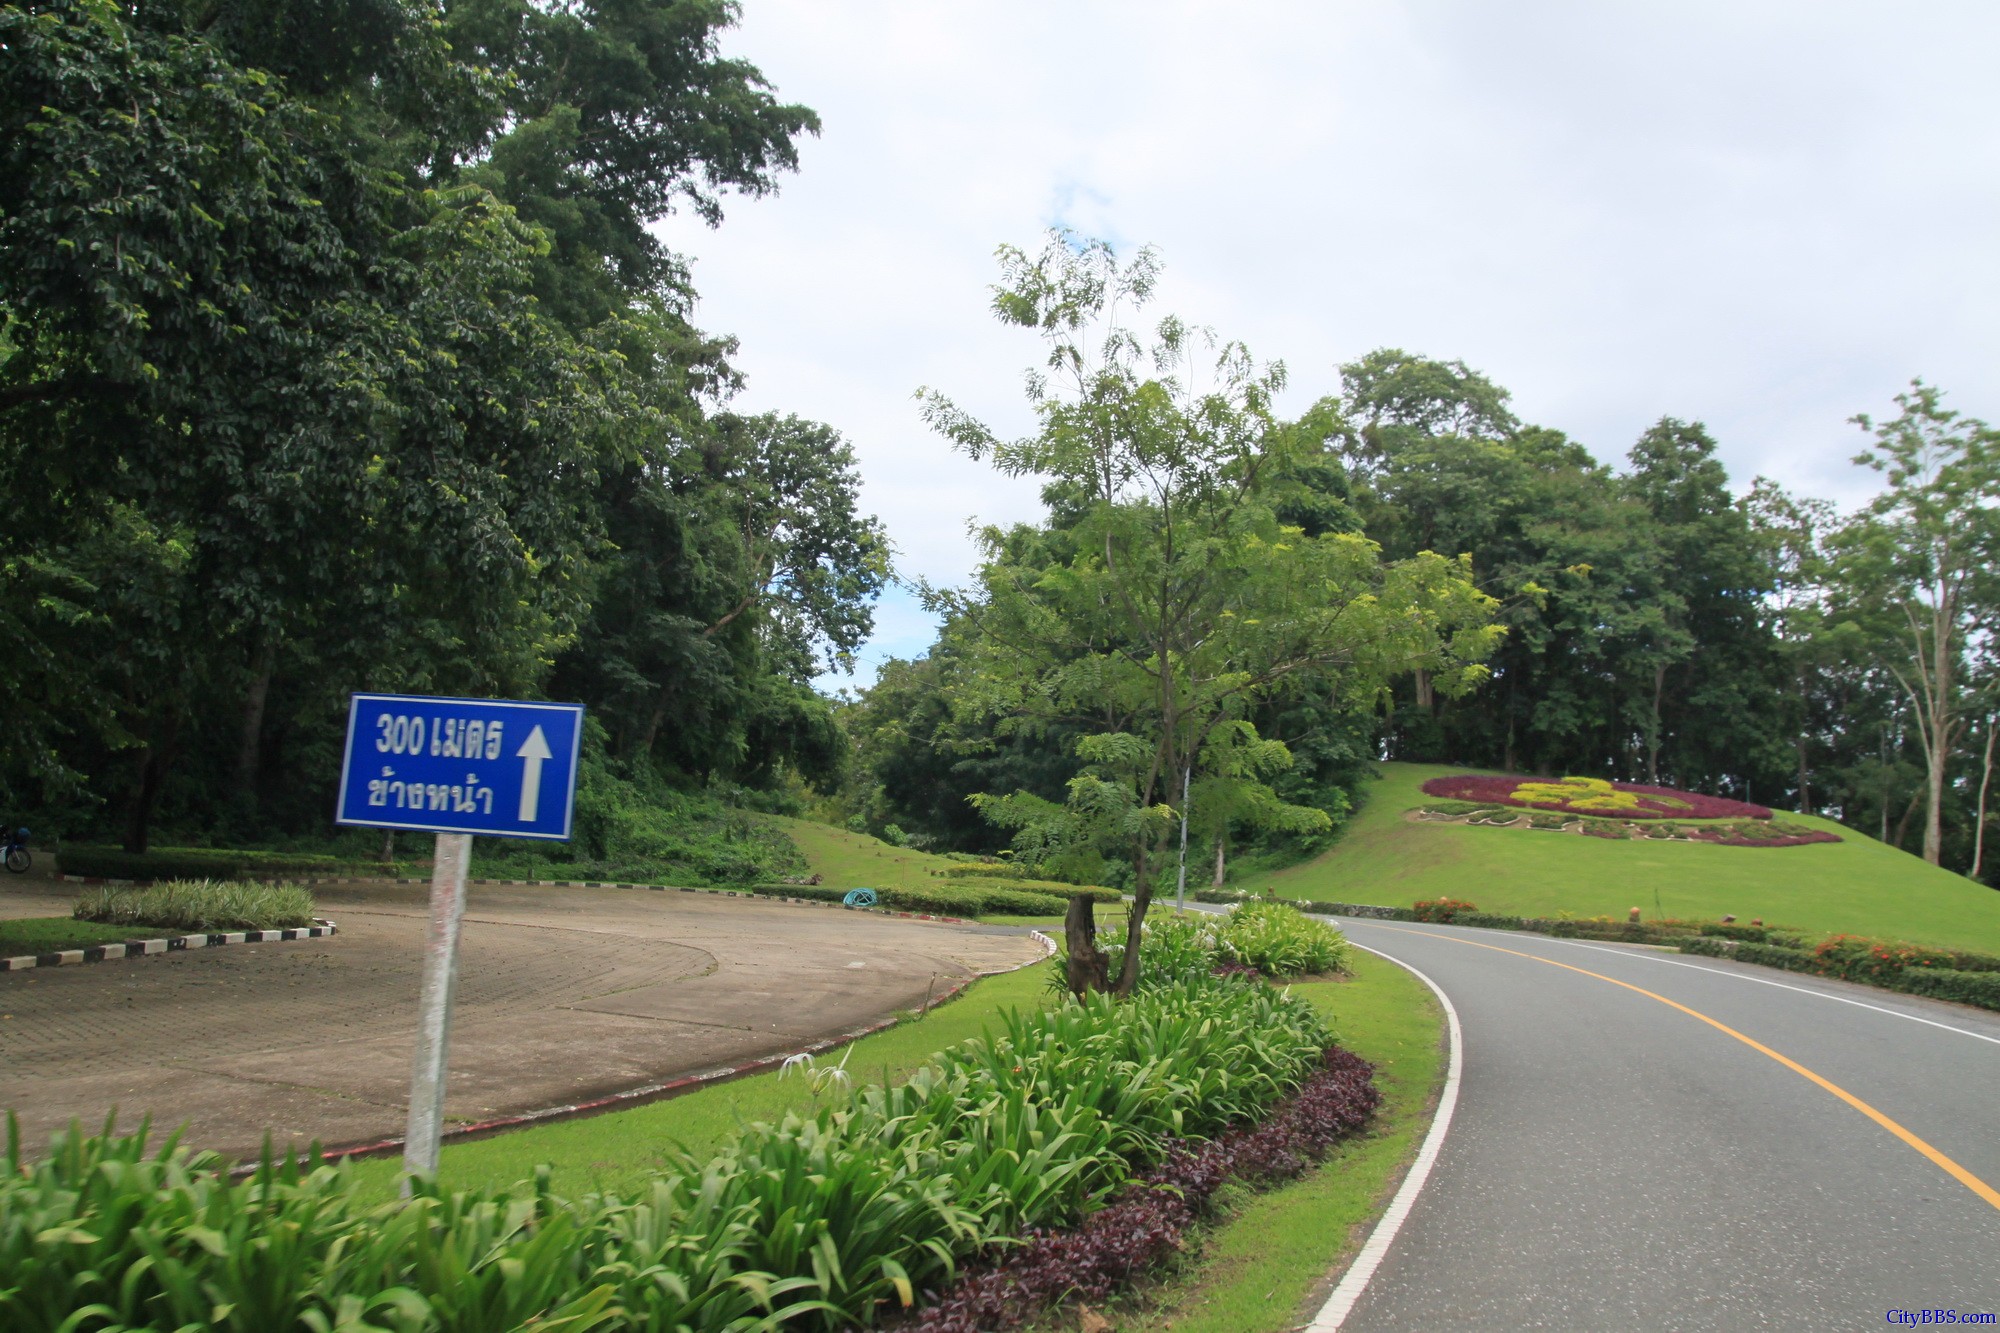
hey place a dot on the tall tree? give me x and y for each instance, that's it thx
(1918, 564)
(1181, 601)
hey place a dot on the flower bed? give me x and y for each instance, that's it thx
(1145, 1224)
(1591, 796)
(1615, 810)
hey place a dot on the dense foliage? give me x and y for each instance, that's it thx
(1176, 597)
(1148, 1222)
(1267, 939)
(825, 1220)
(1663, 628)
(336, 353)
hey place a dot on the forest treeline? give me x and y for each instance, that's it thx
(336, 353)
(1660, 625)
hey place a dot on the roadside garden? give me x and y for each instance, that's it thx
(109, 914)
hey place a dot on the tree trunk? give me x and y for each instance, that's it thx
(1086, 968)
(653, 721)
(249, 751)
(1426, 694)
(388, 846)
(1135, 921)
(1653, 732)
(1220, 840)
(1805, 790)
(1985, 782)
(154, 761)
(1885, 783)
(1909, 812)
(1935, 807)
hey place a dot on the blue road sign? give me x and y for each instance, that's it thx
(498, 767)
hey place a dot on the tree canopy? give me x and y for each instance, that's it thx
(336, 353)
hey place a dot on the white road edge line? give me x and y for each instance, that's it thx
(1766, 981)
(1341, 1302)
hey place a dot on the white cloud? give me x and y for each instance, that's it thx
(1764, 216)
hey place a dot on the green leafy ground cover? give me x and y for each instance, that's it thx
(198, 905)
(48, 934)
(1858, 885)
(828, 1217)
(1256, 1267)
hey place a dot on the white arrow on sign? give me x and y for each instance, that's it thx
(531, 754)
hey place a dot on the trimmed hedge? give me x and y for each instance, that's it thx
(201, 904)
(1842, 957)
(1778, 935)
(938, 899)
(176, 863)
(1021, 877)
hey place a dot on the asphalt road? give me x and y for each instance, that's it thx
(1616, 1162)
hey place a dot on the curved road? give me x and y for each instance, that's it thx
(1619, 1162)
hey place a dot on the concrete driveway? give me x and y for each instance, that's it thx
(564, 994)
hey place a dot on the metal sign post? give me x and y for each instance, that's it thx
(454, 767)
(427, 1073)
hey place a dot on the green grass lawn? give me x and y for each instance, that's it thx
(1255, 1269)
(1857, 885)
(848, 860)
(48, 934)
(621, 1149)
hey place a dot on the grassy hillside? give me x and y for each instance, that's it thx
(1857, 885)
(849, 860)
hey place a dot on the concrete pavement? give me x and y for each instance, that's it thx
(564, 994)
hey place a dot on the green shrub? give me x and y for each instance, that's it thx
(1274, 938)
(1910, 968)
(1022, 877)
(1441, 910)
(199, 905)
(1281, 942)
(1013, 902)
(1453, 809)
(1178, 944)
(642, 830)
(1784, 936)
(188, 863)
(1944, 983)
(1050, 887)
(822, 1220)
(947, 899)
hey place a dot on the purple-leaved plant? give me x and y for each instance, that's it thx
(1147, 1219)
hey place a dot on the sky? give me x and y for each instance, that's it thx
(1763, 216)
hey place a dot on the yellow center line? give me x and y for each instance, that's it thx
(1944, 1163)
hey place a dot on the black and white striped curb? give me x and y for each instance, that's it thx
(98, 953)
